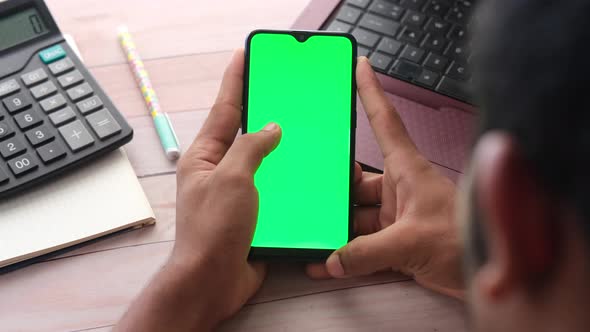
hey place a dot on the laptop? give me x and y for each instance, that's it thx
(420, 51)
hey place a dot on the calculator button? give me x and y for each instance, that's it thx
(34, 77)
(51, 54)
(62, 116)
(22, 165)
(28, 119)
(8, 87)
(79, 92)
(3, 177)
(39, 135)
(76, 135)
(5, 130)
(43, 90)
(89, 105)
(61, 66)
(70, 79)
(51, 152)
(52, 103)
(103, 124)
(16, 102)
(11, 148)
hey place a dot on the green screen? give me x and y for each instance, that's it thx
(304, 185)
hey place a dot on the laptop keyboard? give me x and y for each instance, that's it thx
(418, 41)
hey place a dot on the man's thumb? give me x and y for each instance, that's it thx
(247, 152)
(364, 255)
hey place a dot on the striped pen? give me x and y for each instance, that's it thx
(161, 120)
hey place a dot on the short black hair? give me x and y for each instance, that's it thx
(532, 79)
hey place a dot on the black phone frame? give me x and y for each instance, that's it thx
(298, 254)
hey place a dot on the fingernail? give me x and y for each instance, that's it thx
(363, 59)
(334, 266)
(270, 127)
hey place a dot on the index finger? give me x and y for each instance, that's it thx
(387, 125)
(224, 120)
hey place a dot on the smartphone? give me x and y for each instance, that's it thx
(305, 82)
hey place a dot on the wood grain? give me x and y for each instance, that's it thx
(182, 83)
(168, 29)
(400, 306)
(94, 289)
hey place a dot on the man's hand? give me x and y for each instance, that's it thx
(405, 217)
(208, 277)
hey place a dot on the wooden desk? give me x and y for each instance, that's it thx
(186, 45)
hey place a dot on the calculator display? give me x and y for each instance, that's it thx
(21, 27)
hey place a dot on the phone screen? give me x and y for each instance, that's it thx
(307, 87)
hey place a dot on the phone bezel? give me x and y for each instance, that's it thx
(268, 253)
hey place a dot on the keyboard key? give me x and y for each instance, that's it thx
(405, 70)
(387, 9)
(436, 62)
(379, 24)
(34, 77)
(457, 51)
(466, 4)
(453, 88)
(437, 8)
(16, 102)
(363, 51)
(412, 36)
(61, 66)
(5, 130)
(458, 15)
(103, 124)
(427, 78)
(81, 91)
(76, 135)
(51, 152)
(89, 105)
(338, 26)
(414, 19)
(458, 33)
(412, 53)
(51, 54)
(3, 177)
(52, 103)
(381, 61)
(7, 87)
(389, 46)
(349, 14)
(364, 37)
(28, 119)
(437, 26)
(359, 3)
(22, 165)
(43, 90)
(413, 4)
(11, 147)
(458, 71)
(70, 79)
(39, 135)
(62, 116)
(434, 43)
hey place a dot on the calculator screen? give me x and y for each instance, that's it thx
(21, 27)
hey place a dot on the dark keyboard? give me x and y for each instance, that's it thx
(423, 42)
(53, 116)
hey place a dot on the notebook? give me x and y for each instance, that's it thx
(100, 198)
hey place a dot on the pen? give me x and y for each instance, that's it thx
(161, 120)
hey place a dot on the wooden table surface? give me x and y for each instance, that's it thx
(186, 45)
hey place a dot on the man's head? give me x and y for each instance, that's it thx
(529, 196)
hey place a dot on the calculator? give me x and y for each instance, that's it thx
(53, 114)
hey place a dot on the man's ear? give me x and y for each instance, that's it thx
(518, 217)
